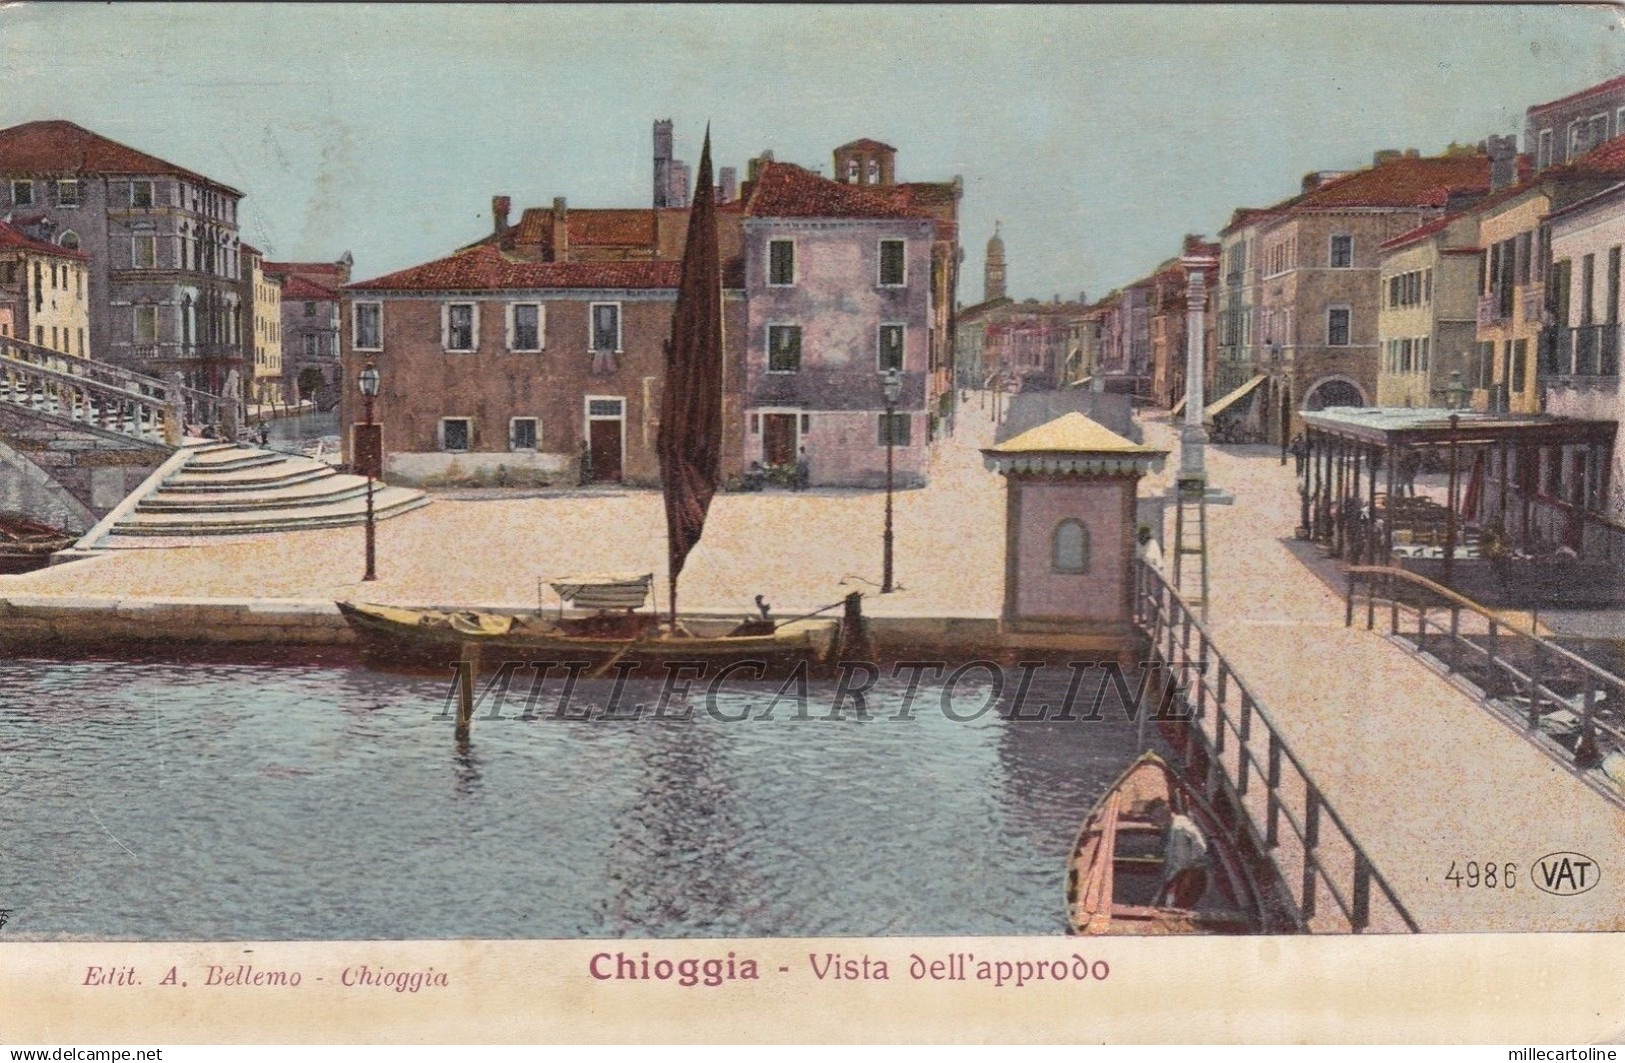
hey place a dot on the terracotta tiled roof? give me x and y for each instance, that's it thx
(250, 249)
(1605, 160)
(484, 268)
(298, 288)
(12, 239)
(1244, 216)
(865, 144)
(1418, 233)
(1404, 182)
(1606, 86)
(57, 147)
(785, 191)
(589, 227)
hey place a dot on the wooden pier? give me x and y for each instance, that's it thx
(1425, 778)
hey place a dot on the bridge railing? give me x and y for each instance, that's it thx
(1233, 741)
(194, 406)
(89, 401)
(1574, 708)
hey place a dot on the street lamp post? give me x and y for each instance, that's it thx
(892, 388)
(368, 382)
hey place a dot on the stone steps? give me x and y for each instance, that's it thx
(232, 489)
(388, 502)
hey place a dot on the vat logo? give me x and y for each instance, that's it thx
(1566, 874)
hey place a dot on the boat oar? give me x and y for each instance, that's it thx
(598, 673)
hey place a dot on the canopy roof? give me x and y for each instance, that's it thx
(1389, 425)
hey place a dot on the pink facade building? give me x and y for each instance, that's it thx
(838, 288)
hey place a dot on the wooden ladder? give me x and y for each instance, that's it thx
(1191, 493)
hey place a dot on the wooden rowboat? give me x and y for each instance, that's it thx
(1117, 881)
(435, 637)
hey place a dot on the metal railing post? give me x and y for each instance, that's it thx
(1245, 763)
(1311, 839)
(1272, 816)
(1360, 916)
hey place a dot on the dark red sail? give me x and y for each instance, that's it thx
(690, 443)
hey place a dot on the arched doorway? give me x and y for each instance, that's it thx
(1334, 392)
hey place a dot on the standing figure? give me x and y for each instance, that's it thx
(803, 471)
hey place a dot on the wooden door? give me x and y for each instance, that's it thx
(606, 450)
(778, 439)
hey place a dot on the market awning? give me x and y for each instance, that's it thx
(1081, 383)
(1214, 409)
(1179, 408)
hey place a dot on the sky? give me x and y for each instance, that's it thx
(1097, 136)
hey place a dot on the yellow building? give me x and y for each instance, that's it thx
(1518, 296)
(262, 332)
(1427, 316)
(45, 287)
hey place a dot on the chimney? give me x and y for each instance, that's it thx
(754, 169)
(1385, 156)
(561, 230)
(1310, 181)
(1413, 153)
(1503, 153)
(727, 184)
(499, 214)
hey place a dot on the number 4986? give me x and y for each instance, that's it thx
(1474, 875)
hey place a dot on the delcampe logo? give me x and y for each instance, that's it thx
(1566, 874)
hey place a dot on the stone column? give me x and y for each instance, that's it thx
(1192, 434)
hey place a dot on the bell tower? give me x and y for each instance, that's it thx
(993, 268)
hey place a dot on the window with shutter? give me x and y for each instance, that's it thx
(606, 326)
(781, 263)
(893, 264)
(525, 327)
(460, 327)
(783, 348)
(891, 347)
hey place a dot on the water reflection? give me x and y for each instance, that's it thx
(209, 800)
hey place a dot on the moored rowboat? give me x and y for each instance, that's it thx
(1152, 859)
(436, 637)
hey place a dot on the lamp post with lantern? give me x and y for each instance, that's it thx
(892, 389)
(368, 453)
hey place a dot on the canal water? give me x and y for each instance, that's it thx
(294, 434)
(157, 800)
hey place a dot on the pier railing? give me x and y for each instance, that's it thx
(1233, 743)
(1572, 708)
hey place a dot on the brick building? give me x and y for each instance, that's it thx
(1319, 263)
(310, 327)
(1166, 302)
(825, 284)
(502, 371)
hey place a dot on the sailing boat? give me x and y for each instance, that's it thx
(690, 452)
